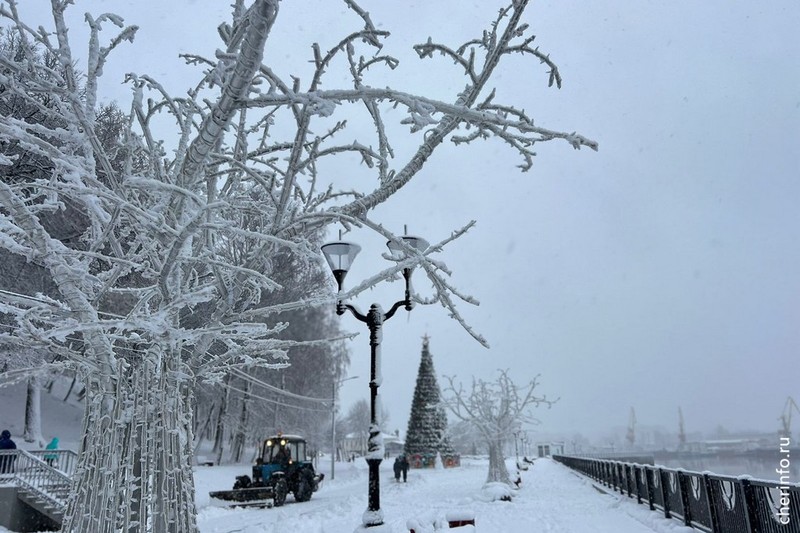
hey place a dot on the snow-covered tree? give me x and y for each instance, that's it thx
(273, 396)
(464, 437)
(496, 409)
(169, 280)
(357, 420)
(16, 365)
(17, 274)
(427, 421)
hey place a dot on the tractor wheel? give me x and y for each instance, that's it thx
(281, 490)
(304, 489)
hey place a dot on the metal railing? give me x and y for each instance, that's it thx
(641, 458)
(63, 460)
(29, 472)
(704, 501)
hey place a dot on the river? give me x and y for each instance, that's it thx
(762, 466)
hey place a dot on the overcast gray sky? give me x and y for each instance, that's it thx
(661, 271)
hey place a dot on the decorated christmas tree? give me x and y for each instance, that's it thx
(427, 424)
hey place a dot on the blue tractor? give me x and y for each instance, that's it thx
(282, 467)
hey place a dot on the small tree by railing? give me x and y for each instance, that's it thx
(704, 501)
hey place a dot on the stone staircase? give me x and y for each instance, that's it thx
(50, 507)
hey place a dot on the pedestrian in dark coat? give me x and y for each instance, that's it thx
(403, 467)
(7, 461)
(397, 468)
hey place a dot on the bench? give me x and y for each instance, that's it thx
(454, 519)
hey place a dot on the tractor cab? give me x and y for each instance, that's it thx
(280, 453)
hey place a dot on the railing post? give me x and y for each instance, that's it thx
(750, 506)
(625, 479)
(651, 497)
(624, 476)
(637, 479)
(683, 489)
(662, 478)
(628, 479)
(712, 506)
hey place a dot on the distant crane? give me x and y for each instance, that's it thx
(786, 417)
(631, 436)
(681, 431)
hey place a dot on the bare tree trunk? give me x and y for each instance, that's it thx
(71, 386)
(202, 434)
(277, 420)
(33, 412)
(138, 448)
(237, 448)
(256, 452)
(497, 464)
(219, 434)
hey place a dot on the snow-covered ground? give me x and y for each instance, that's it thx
(552, 499)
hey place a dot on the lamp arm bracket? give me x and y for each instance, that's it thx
(341, 306)
(390, 313)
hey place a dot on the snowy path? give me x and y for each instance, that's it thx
(552, 500)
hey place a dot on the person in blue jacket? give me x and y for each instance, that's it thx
(7, 461)
(51, 458)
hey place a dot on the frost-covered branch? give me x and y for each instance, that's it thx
(421, 107)
(178, 238)
(261, 16)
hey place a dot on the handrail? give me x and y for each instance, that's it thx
(25, 469)
(704, 501)
(64, 460)
(626, 457)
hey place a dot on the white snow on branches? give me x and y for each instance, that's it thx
(165, 264)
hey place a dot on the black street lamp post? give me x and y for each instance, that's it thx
(340, 256)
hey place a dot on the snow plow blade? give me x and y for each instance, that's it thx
(241, 497)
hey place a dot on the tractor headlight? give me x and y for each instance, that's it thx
(269, 443)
